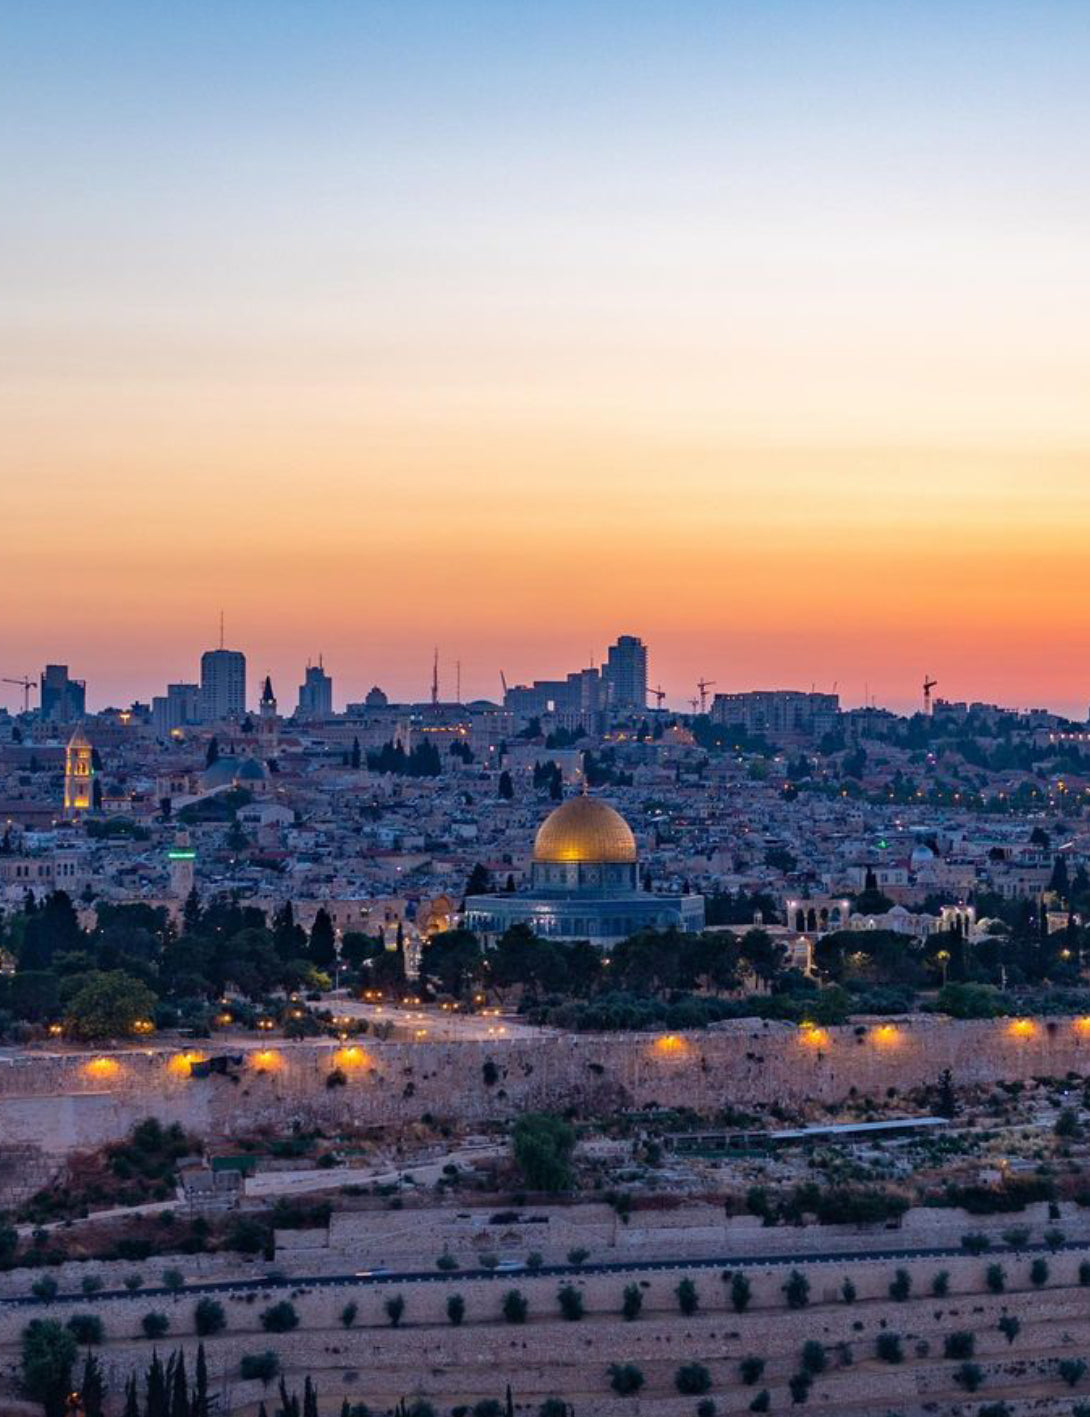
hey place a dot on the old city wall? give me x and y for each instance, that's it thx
(55, 1102)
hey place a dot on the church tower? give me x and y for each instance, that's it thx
(79, 773)
(268, 726)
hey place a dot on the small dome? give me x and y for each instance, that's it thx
(250, 770)
(221, 773)
(584, 830)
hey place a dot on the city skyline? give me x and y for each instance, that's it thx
(395, 326)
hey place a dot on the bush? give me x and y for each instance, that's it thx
(488, 1261)
(688, 1300)
(900, 1286)
(995, 1277)
(1000, 1409)
(940, 1285)
(154, 1324)
(348, 1314)
(631, 1302)
(625, 1379)
(705, 1408)
(173, 1279)
(515, 1307)
(762, 1402)
(848, 1292)
(280, 1318)
(446, 1262)
(691, 1379)
(1055, 1239)
(263, 1366)
(813, 1357)
(1010, 1327)
(571, 1302)
(1084, 1274)
(750, 1369)
(800, 1387)
(132, 1282)
(959, 1344)
(86, 1328)
(45, 1289)
(578, 1256)
(1038, 1272)
(888, 1348)
(975, 1242)
(534, 1260)
(209, 1318)
(1072, 1370)
(1017, 1238)
(395, 1308)
(553, 1407)
(741, 1292)
(91, 1284)
(797, 1290)
(969, 1376)
(456, 1309)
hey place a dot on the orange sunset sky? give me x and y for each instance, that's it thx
(760, 331)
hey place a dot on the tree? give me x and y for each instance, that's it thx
(959, 1344)
(506, 786)
(900, 1286)
(814, 1359)
(571, 1302)
(109, 1004)
(888, 1347)
(631, 1302)
(348, 1314)
(1038, 1272)
(750, 1369)
(323, 940)
(357, 758)
(543, 1145)
(209, 1318)
(1072, 1370)
(688, 1300)
(480, 881)
(692, 1379)
(456, 1309)
(86, 1328)
(395, 1308)
(280, 1318)
(996, 1278)
(741, 1291)
(48, 1355)
(969, 1376)
(796, 1290)
(515, 1307)
(263, 1366)
(625, 1379)
(1009, 1326)
(154, 1324)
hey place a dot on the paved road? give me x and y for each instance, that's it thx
(558, 1271)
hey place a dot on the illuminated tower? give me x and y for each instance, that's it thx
(182, 858)
(79, 773)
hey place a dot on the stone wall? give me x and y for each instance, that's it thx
(58, 1101)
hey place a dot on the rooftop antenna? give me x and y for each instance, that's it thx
(221, 629)
(458, 681)
(435, 678)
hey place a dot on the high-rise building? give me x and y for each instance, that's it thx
(625, 675)
(63, 700)
(223, 684)
(178, 708)
(315, 693)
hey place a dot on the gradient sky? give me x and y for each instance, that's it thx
(760, 330)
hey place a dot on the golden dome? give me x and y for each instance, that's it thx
(582, 829)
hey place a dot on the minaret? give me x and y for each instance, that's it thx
(79, 775)
(181, 857)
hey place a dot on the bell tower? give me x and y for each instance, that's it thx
(79, 773)
(268, 726)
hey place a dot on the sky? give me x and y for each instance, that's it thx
(760, 330)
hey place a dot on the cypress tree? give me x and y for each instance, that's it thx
(200, 1388)
(156, 1404)
(92, 1387)
(179, 1393)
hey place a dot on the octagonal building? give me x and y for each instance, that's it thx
(585, 884)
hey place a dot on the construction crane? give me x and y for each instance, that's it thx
(658, 695)
(704, 685)
(928, 685)
(503, 681)
(26, 685)
(694, 703)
